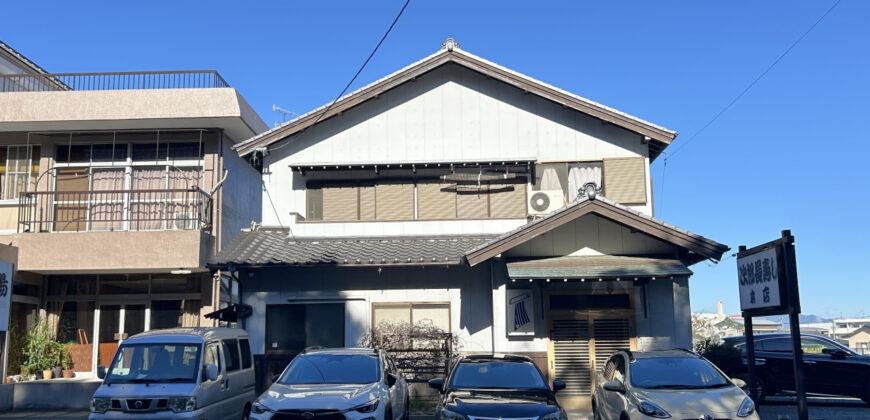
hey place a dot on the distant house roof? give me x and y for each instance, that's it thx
(20, 59)
(277, 248)
(659, 137)
(864, 329)
(698, 248)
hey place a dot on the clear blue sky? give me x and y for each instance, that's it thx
(789, 155)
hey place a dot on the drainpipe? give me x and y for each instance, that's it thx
(492, 305)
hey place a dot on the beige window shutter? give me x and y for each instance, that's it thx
(625, 180)
(394, 201)
(436, 200)
(367, 202)
(340, 203)
(508, 200)
(472, 202)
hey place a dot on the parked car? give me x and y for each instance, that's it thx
(336, 384)
(676, 384)
(495, 387)
(180, 373)
(829, 367)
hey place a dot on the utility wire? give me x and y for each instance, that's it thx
(737, 98)
(757, 79)
(343, 91)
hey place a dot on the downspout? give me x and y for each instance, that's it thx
(492, 305)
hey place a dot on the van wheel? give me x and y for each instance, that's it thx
(247, 413)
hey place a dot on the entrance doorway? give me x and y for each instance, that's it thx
(586, 328)
(117, 322)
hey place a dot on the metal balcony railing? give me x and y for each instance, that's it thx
(182, 79)
(114, 210)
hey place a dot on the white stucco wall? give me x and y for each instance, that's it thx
(449, 115)
(241, 200)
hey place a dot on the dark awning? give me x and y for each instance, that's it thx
(231, 313)
(596, 266)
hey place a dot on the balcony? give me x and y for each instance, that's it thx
(114, 210)
(185, 79)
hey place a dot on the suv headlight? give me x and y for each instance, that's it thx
(746, 408)
(556, 415)
(368, 407)
(100, 405)
(652, 410)
(446, 414)
(181, 404)
(259, 408)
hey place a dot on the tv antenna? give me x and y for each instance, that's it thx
(284, 114)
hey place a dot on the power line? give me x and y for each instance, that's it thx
(353, 79)
(737, 98)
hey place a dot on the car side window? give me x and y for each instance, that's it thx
(231, 354)
(619, 369)
(212, 356)
(245, 347)
(609, 368)
(777, 345)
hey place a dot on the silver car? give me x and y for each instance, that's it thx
(336, 384)
(181, 373)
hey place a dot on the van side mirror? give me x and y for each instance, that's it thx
(437, 384)
(101, 372)
(211, 372)
(614, 386)
(391, 380)
(558, 386)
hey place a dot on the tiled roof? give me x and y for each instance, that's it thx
(271, 247)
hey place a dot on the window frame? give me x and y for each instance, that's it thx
(410, 306)
(28, 173)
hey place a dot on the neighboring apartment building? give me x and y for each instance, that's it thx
(116, 188)
(859, 340)
(460, 193)
(841, 328)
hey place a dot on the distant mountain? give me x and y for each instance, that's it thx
(804, 319)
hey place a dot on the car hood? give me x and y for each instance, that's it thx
(694, 402)
(318, 396)
(119, 390)
(500, 405)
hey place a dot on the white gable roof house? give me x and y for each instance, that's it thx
(514, 215)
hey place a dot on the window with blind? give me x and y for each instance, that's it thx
(420, 200)
(436, 314)
(625, 180)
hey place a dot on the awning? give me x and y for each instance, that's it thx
(596, 266)
(231, 313)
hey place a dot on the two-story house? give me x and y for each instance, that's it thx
(506, 211)
(116, 188)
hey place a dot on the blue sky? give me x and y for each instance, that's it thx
(788, 155)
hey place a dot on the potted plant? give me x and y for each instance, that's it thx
(65, 361)
(38, 350)
(56, 355)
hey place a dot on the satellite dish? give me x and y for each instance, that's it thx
(540, 201)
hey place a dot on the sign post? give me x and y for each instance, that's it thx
(767, 279)
(5, 303)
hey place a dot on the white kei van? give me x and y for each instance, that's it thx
(180, 373)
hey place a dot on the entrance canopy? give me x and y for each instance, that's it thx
(596, 266)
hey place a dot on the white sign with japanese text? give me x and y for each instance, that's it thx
(759, 280)
(5, 294)
(520, 312)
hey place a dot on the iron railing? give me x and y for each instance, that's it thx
(114, 210)
(181, 79)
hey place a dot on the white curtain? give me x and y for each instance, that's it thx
(147, 208)
(106, 207)
(580, 174)
(550, 180)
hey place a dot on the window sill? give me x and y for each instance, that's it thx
(8, 203)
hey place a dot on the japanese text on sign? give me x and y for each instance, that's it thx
(759, 280)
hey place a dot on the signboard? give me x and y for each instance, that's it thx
(5, 294)
(520, 312)
(767, 278)
(759, 280)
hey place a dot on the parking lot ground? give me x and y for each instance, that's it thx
(820, 408)
(45, 414)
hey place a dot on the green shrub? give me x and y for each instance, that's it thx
(724, 355)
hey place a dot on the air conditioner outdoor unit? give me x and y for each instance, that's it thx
(545, 201)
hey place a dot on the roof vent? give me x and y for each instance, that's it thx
(449, 44)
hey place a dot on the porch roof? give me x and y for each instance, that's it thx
(596, 266)
(277, 248)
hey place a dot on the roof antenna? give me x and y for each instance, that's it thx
(284, 114)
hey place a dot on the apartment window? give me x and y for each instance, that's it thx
(436, 314)
(19, 170)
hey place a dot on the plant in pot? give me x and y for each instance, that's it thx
(38, 350)
(65, 361)
(57, 353)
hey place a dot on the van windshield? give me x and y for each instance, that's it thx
(151, 363)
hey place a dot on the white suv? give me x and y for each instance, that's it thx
(667, 384)
(336, 384)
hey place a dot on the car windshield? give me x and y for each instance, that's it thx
(497, 375)
(149, 363)
(675, 373)
(332, 369)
